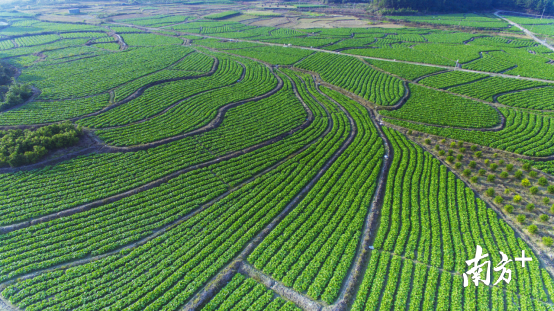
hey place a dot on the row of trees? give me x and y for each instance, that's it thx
(20, 147)
(455, 5)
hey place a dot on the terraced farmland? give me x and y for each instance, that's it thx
(216, 160)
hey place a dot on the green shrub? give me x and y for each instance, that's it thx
(525, 182)
(498, 199)
(437, 147)
(550, 189)
(462, 150)
(526, 166)
(460, 144)
(509, 167)
(520, 218)
(478, 154)
(491, 178)
(441, 153)
(544, 217)
(474, 179)
(493, 167)
(487, 161)
(501, 162)
(427, 141)
(474, 147)
(543, 182)
(547, 241)
(533, 229)
(450, 159)
(546, 200)
(504, 175)
(517, 198)
(482, 172)
(534, 190)
(495, 155)
(490, 192)
(410, 132)
(530, 207)
(466, 172)
(453, 144)
(458, 165)
(450, 152)
(552, 209)
(509, 208)
(518, 174)
(472, 164)
(533, 174)
(459, 157)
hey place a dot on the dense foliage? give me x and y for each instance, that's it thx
(16, 94)
(20, 147)
(448, 5)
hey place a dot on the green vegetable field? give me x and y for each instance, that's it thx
(221, 155)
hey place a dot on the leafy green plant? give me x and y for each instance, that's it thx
(509, 208)
(530, 207)
(533, 229)
(520, 218)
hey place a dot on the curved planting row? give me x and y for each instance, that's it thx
(524, 133)
(196, 111)
(434, 107)
(157, 98)
(352, 74)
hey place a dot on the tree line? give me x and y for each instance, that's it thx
(536, 6)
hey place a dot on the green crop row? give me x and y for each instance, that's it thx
(434, 107)
(524, 133)
(243, 293)
(355, 76)
(196, 111)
